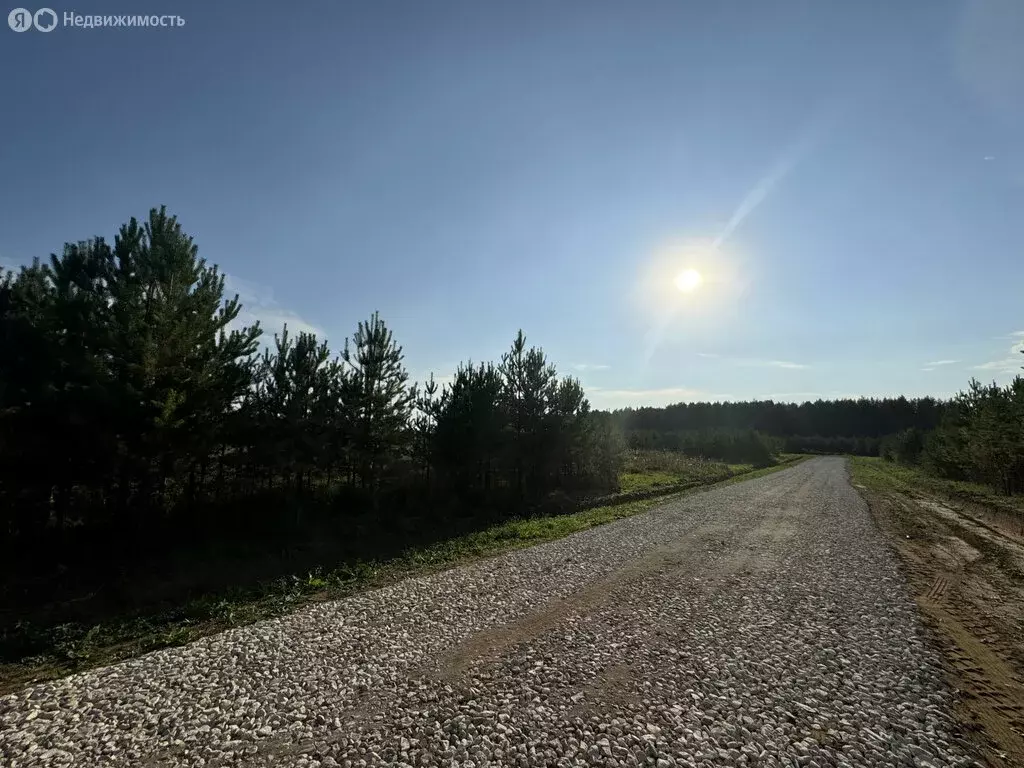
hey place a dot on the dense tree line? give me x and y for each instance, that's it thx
(976, 436)
(864, 417)
(735, 446)
(134, 410)
(980, 438)
(823, 426)
(816, 444)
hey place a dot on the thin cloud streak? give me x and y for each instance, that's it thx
(1012, 363)
(259, 305)
(792, 156)
(753, 362)
(936, 363)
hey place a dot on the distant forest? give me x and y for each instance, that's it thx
(825, 426)
(977, 436)
(136, 417)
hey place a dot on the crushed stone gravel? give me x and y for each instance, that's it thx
(759, 624)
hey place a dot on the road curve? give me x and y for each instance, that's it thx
(762, 624)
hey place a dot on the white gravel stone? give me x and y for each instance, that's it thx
(759, 624)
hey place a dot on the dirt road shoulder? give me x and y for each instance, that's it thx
(966, 569)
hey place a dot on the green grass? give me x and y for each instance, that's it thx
(880, 475)
(73, 647)
(639, 481)
(649, 470)
(646, 470)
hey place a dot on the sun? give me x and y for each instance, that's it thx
(688, 280)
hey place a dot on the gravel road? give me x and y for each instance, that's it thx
(763, 623)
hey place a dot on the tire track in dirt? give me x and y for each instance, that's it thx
(956, 566)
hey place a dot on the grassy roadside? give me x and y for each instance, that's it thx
(880, 475)
(649, 470)
(75, 650)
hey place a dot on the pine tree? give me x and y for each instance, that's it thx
(27, 385)
(179, 369)
(379, 399)
(426, 404)
(567, 414)
(294, 389)
(529, 383)
(470, 430)
(80, 404)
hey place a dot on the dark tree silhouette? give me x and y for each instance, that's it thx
(137, 416)
(138, 419)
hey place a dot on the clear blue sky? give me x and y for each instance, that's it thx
(848, 176)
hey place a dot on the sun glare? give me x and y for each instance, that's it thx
(688, 288)
(688, 280)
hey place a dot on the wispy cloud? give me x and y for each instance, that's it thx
(754, 362)
(591, 367)
(823, 119)
(1007, 365)
(258, 304)
(1012, 363)
(937, 363)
